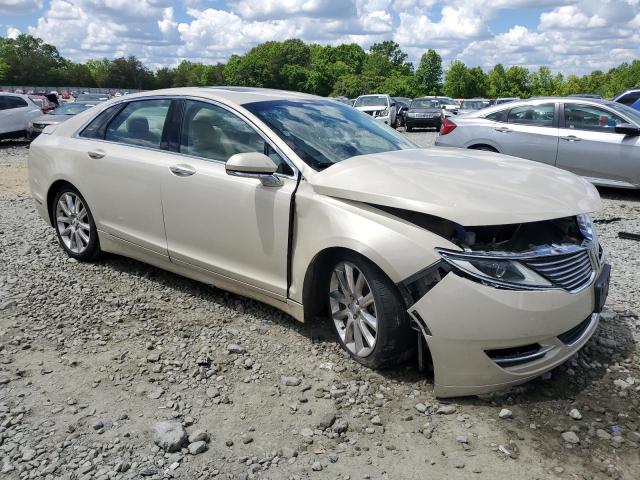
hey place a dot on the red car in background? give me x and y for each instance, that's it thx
(43, 102)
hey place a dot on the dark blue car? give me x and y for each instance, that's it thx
(630, 98)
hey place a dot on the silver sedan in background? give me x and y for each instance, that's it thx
(597, 139)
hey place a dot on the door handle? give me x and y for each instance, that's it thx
(503, 129)
(96, 154)
(571, 138)
(182, 170)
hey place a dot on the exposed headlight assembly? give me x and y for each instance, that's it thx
(499, 272)
(587, 228)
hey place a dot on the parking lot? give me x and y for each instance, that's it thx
(93, 356)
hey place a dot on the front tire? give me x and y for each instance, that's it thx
(409, 129)
(368, 313)
(74, 224)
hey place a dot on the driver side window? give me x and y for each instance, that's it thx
(590, 117)
(213, 133)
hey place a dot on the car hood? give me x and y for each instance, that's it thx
(468, 187)
(425, 110)
(371, 108)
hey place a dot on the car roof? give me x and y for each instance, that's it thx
(538, 100)
(11, 94)
(233, 95)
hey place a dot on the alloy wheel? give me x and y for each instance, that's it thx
(353, 309)
(72, 219)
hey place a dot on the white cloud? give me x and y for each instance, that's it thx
(20, 6)
(12, 32)
(570, 35)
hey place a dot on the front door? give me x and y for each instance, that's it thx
(589, 145)
(232, 226)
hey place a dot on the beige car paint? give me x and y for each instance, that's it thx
(232, 232)
(465, 186)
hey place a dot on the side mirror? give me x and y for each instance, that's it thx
(253, 165)
(393, 104)
(627, 129)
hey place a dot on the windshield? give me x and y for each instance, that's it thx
(474, 104)
(632, 113)
(425, 103)
(92, 96)
(371, 101)
(447, 101)
(323, 132)
(71, 108)
(500, 101)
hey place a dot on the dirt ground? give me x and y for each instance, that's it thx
(93, 356)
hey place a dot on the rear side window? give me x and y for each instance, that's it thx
(211, 132)
(590, 117)
(499, 116)
(535, 115)
(8, 102)
(98, 125)
(630, 98)
(139, 123)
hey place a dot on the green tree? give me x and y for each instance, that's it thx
(496, 82)
(395, 56)
(4, 68)
(164, 77)
(456, 79)
(428, 75)
(399, 85)
(574, 84)
(517, 82)
(129, 73)
(99, 71)
(543, 83)
(29, 61)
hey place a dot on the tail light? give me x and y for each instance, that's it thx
(447, 126)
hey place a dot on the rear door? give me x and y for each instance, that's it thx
(119, 160)
(15, 113)
(589, 145)
(529, 131)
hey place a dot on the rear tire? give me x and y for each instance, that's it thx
(367, 312)
(74, 224)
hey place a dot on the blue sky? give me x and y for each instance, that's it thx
(568, 36)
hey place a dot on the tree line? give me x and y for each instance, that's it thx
(344, 70)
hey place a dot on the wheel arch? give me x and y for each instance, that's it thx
(54, 188)
(313, 298)
(483, 145)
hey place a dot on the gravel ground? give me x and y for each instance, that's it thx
(120, 370)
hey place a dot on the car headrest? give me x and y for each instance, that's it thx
(138, 126)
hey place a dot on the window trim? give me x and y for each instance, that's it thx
(173, 98)
(593, 105)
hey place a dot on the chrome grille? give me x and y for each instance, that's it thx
(572, 271)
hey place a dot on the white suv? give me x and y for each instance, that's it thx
(16, 111)
(378, 106)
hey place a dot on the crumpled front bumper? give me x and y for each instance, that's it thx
(464, 322)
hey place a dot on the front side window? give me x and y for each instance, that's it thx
(535, 115)
(211, 132)
(139, 123)
(322, 132)
(590, 117)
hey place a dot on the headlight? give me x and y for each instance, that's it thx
(496, 271)
(411, 114)
(585, 223)
(383, 113)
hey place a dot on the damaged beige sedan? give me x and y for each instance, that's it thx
(490, 262)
